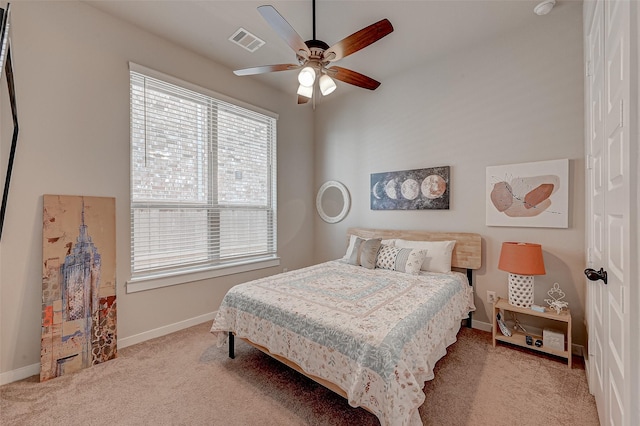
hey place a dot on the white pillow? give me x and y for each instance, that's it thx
(352, 243)
(400, 259)
(438, 253)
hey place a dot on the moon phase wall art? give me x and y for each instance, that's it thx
(420, 189)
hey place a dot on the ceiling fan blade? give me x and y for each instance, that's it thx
(284, 29)
(302, 99)
(358, 40)
(353, 77)
(265, 69)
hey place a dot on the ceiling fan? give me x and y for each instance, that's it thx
(315, 57)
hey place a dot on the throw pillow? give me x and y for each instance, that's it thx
(400, 259)
(352, 242)
(365, 252)
(438, 253)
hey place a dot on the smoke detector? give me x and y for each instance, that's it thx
(544, 7)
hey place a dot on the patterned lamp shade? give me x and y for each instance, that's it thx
(522, 261)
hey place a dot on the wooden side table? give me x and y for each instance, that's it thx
(518, 338)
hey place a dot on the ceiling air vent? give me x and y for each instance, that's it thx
(246, 40)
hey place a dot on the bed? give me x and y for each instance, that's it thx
(369, 332)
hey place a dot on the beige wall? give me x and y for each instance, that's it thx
(72, 85)
(514, 99)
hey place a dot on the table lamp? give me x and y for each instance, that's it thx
(522, 261)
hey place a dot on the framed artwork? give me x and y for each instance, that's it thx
(78, 284)
(420, 189)
(528, 194)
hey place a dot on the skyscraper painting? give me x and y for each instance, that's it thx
(78, 284)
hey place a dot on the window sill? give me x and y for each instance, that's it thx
(158, 281)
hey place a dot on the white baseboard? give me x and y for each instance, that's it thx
(484, 326)
(577, 350)
(19, 374)
(34, 369)
(164, 330)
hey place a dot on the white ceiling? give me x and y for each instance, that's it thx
(423, 30)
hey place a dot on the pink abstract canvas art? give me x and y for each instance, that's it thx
(78, 284)
(528, 194)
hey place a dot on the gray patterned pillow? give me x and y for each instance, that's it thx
(365, 252)
(400, 259)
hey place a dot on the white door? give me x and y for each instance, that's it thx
(594, 47)
(609, 215)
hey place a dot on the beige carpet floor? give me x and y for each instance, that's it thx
(184, 379)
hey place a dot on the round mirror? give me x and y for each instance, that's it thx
(333, 201)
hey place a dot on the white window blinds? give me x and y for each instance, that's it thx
(203, 180)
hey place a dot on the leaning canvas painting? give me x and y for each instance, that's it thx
(78, 284)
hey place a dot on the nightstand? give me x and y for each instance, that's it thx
(518, 338)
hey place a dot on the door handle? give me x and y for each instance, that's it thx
(594, 275)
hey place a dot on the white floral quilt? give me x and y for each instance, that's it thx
(375, 333)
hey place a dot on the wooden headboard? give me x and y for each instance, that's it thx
(467, 253)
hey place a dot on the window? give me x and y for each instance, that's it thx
(203, 179)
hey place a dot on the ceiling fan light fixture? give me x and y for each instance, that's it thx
(307, 76)
(327, 85)
(313, 56)
(306, 91)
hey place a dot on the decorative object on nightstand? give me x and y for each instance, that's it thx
(522, 261)
(503, 327)
(556, 301)
(553, 339)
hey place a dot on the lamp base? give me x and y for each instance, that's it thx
(521, 290)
